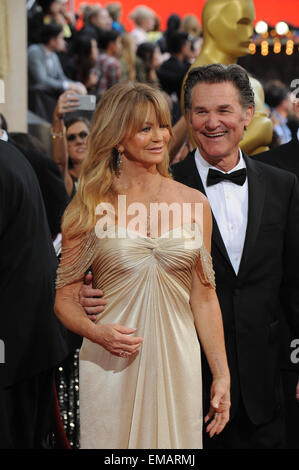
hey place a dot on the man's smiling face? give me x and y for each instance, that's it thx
(217, 119)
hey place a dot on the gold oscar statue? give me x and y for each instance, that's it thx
(227, 31)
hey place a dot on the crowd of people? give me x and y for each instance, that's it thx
(91, 51)
(88, 52)
(185, 342)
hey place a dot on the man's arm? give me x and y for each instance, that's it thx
(209, 326)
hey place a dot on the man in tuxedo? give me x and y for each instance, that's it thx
(255, 248)
(32, 340)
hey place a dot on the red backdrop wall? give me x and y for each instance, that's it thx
(271, 11)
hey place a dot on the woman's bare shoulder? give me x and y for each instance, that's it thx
(185, 193)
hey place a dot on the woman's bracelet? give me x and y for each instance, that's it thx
(57, 135)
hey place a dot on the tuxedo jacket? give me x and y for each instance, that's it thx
(265, 288)
(32, 336)
(285, 156)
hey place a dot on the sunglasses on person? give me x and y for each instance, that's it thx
(72, 137)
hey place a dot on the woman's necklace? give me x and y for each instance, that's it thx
(149, 199)
(153, 199)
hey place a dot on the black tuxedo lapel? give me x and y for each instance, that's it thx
(187, 174)
(256, 198)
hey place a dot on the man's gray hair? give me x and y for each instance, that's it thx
(219, 73)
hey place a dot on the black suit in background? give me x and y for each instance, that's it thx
(33, 338)
(287, 157)
(54, 196)
(171, 75)
(51, 184)
(252, 302)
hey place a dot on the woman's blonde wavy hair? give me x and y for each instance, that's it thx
(120, 113)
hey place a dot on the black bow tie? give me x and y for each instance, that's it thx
(237, 177)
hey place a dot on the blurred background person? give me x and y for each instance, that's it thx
(104, 20)
(191, 25)
(69, 140)
(128, 58)
(50, 12)
(97, 20)
(155, 34)
(173, 25)
(144, 19)
(46, 77)
(81, 63)
(55, 11)
(277, 97)
(148, 60)
(195, 48)
(115, 11)
(81, 15)
(171, 73)
(108, 61)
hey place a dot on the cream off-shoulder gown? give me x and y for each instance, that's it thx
(152, 400)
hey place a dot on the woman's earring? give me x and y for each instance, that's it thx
(117, 161)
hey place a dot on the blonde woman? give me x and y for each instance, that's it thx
(128, 58)
(191, 25)
(144, 19)
(140, 367)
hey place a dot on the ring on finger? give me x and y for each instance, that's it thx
(123, 354)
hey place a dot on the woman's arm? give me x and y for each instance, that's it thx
(67, 102)
(208, 322)
(114, 338)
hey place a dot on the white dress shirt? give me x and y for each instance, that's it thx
(229, 204)
(3, 135)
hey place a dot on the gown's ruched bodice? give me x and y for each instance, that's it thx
(153, 399)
